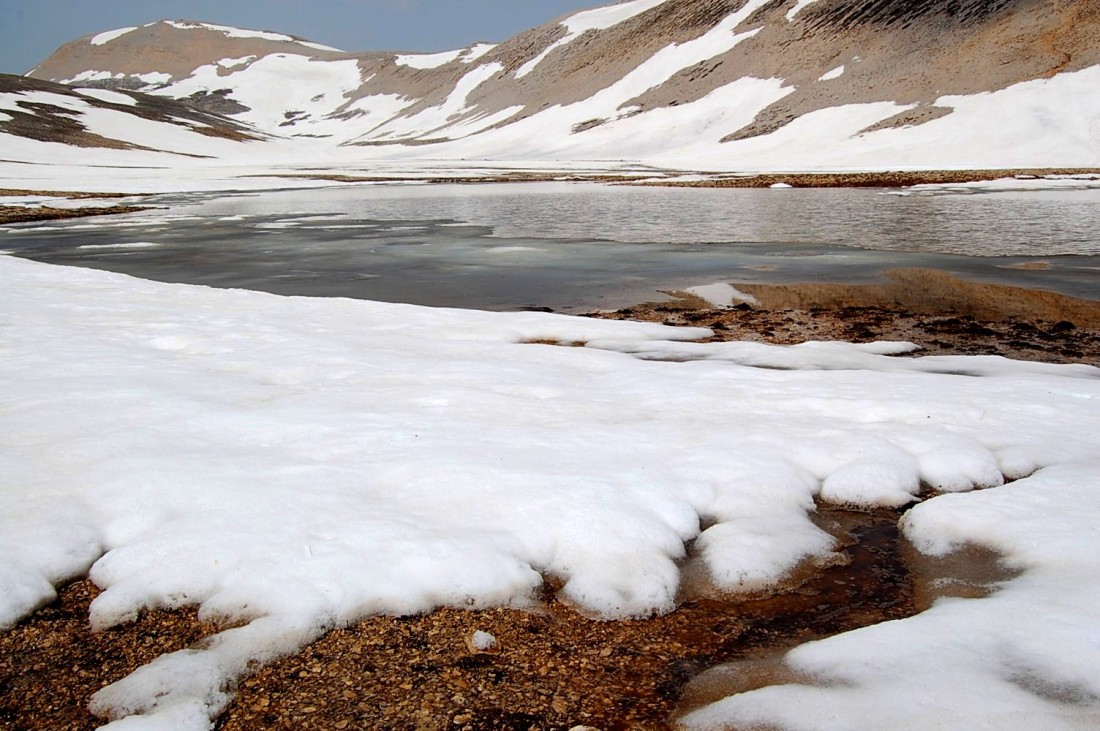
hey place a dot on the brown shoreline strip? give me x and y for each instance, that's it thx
(889, 179)
(18, 214)
(73, 195)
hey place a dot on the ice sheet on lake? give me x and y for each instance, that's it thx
(292, 464)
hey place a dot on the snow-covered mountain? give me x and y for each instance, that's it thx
(697, 84)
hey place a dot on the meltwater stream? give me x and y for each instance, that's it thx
(577, 247)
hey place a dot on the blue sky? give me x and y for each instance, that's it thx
(30, 30)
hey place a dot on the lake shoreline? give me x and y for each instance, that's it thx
(942, 314)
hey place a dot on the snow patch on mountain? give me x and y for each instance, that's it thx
(798, 8)
(108, 36)
(308, 88)
(428, 60)
(587, 20)
(111, 97)
(427, 121)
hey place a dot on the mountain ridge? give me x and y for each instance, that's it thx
(745, 75)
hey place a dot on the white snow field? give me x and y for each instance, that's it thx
(292, 464)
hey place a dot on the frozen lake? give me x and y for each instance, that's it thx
(576, 247)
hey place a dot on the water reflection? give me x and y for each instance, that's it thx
(578, 246)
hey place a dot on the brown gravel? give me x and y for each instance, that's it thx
(552, 669)
(51, 664)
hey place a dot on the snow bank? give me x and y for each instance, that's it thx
(292, 464)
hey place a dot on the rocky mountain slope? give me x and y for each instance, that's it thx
(701, 84)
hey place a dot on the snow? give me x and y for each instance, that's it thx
(1013, 127)
(232, 32)
(106, 95)
(230, 63)
(582, 22)
(319, 46)
(293, 464)
(435, 60)
(428, 60)
(699, 124)
(92, 76)
(1023, 658)
(110, 35)
(721, 295)
(482, 641)
(428, 120)
(477, 51)
(154, 77)
(308, 86)
(1039, 123)
(798, 7)
(134, 245)
(120, 125)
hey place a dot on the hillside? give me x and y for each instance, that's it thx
(694, 84)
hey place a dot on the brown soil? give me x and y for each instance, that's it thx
(18, 214)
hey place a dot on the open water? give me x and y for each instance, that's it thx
(577, 247)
